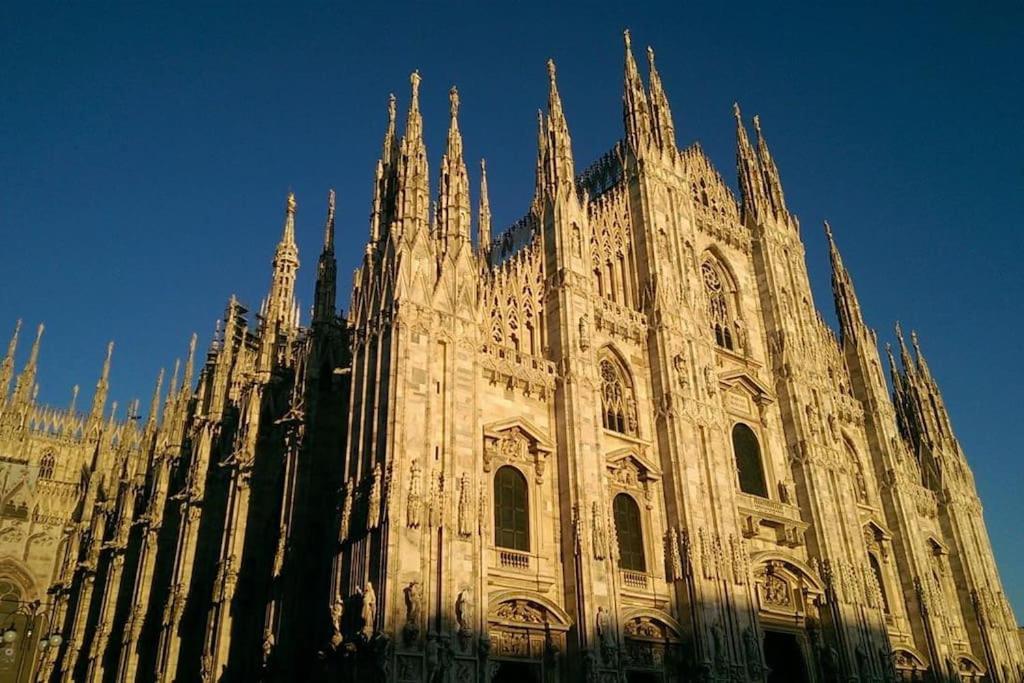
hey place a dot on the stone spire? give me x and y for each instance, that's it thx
(634, 102)
(772, 182)
(154, 404)
(453, 221)
(484, 221)
(25, 385)
(851, 320)
(99, 398)
(326, 271)
(278, 316)
(561, 173)
(412, 188)
(383, 196)
(7, 366)
(661, 113)
(755, 203)
(540, 171)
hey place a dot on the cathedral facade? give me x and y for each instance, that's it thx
(614, 442)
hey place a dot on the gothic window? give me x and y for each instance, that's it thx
(630, 533)
(719, 308)
(46, 466)
(511, 510)
(618, 406)
(876, 569)
(748, 461)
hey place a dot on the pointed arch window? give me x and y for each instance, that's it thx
(876, 569)
(749, 467)
(47, 466)
(720, 309)
(618, 405)
(511, 510)
(630, 533)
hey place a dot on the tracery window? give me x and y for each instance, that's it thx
(629, 531)
(748, 461)
(618, 406)
(46, 466)
(723, 322)
(511, 510)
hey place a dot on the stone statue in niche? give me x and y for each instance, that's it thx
(711, 380)
(337, 612)
(679, 362)
(753, 653)
(584, 332)
(413, 605)
(464, 617)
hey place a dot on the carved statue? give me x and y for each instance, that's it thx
(369, 612)
(373, 514)
(600, 537)
(413, 605)
(604, 629)
(679, 362)
(464, 614)
(584, 332)
(711, 380)
(753, 653)
(465, 507)
(414, 510)
(337, 612)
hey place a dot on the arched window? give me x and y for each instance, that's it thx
(618, 407)
(748, 461)
(511, 510)
(46, 466)
(719, 307)
(876, 569)
(630, 533)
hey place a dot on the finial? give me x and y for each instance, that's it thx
(626, 37)
(736, 113)
(757, 124)
(828, 228)
(453, 101)
(74, 400)
(551, 71)
(330, 205)
(392, 107)
(899, 331)
(414, 79)
(650, 56)
(291, 203)
(483, 167)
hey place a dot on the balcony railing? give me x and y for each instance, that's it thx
(634, 579)
(512, 559)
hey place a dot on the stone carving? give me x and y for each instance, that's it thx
(373, 512)
(776, 591)
(337, 612)
(584, 332)
(369, 611)
(464, 616)
(600, 536)
(520, 611)
(413, 606)
(679, 363)
(346, 512)
(753, 653)
(604, 629)
(675, 561)
(414, 509)
(710, 381)
(465, 507)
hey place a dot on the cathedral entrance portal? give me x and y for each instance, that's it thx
(517, 672)
(785, 658)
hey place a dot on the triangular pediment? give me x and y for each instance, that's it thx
(534, 433)
(629, 457)
(744, 381)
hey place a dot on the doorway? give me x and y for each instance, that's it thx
(785, 658)
(517, 672)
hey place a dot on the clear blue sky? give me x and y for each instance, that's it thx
(145, 154)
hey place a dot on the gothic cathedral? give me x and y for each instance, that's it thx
(615, 442)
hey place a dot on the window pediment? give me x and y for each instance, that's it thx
(516, 441)
(739, 380)
(629, 462)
